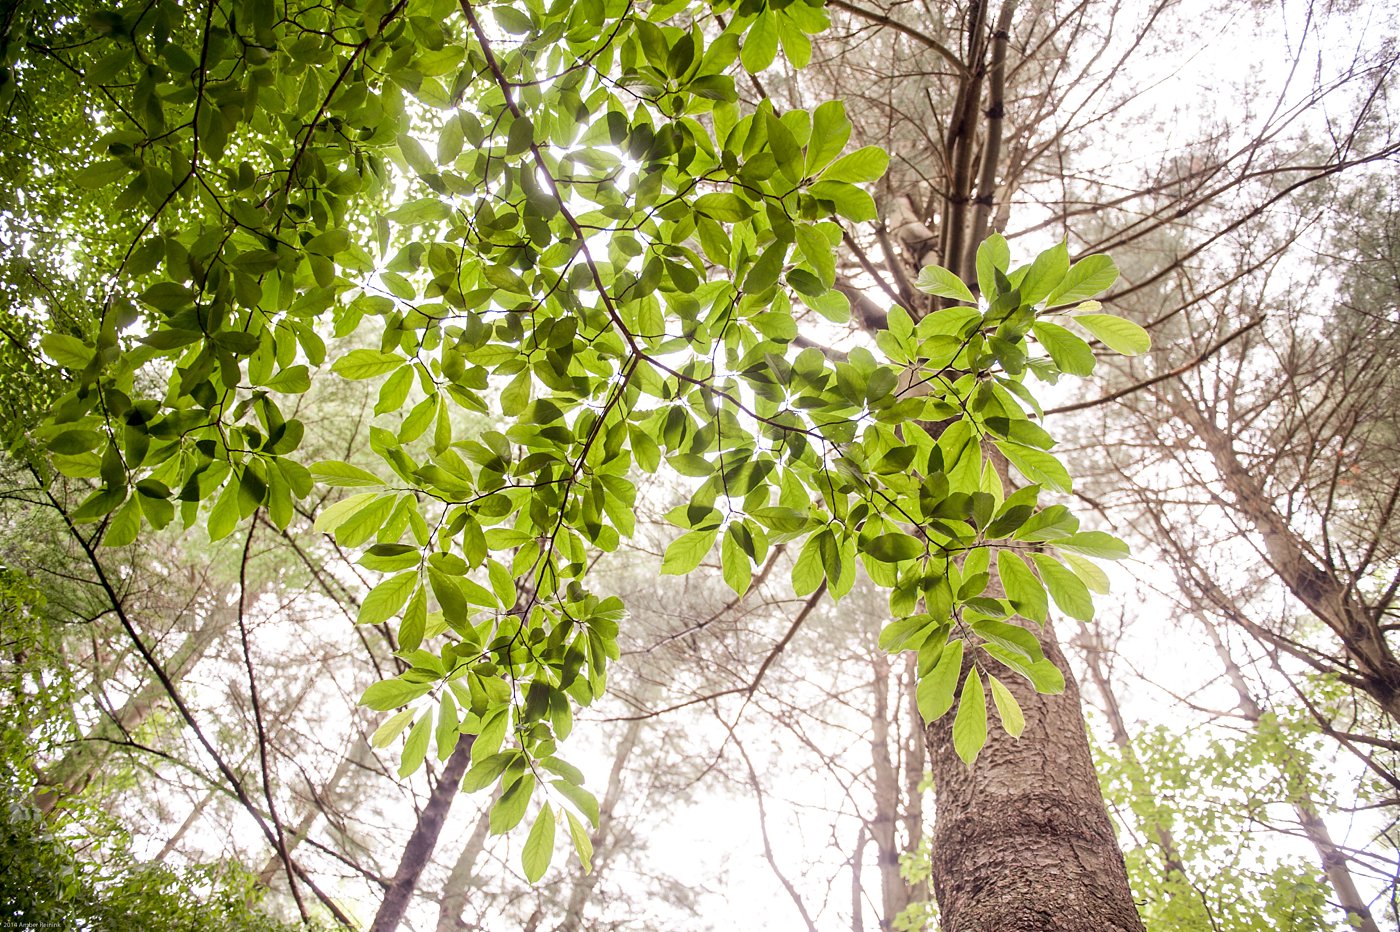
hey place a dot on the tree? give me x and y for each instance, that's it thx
(627, 288)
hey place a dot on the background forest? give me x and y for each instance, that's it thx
(182, 738)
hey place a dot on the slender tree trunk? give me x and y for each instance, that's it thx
(888, 795)
(1022, 841)
(1092, 646)
(1308, 574)
(454, 892)
(583, 887)
(857, 919)
(77, 768)
(1334, 860)
(421, 843)
(357, 756)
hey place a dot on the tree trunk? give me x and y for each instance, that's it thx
(423, 840)
(888, 795)
(584, 885)
(1022, 841)
(454, 892)
(1089, 642)
(1308, 573)
(1334, 860)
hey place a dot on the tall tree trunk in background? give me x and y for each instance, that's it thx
(421, 843)
(454, 892)
(888, 796)
(585, 884)
(1089, 641)
(77, 768)
(1334, 860)
(1310, 575)
(1022, 841)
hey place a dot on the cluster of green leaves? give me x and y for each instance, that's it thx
(556, 216)
(1216, 796)
(48, 883)
(74, 868)
(971, 486)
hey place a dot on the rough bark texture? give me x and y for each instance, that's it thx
(1023, 842)
(423, 840)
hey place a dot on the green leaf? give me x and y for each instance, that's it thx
(583, 800)
(124, 526)
(734, 562)
(867, 163)
(970, 724)
(539, 846)
(1067, 589)
(1094, 544)
(685, 552)
(68, 351)
(1086, 278)
(830, 132)
(1022, 588)
(366, 364)
(416, 747)
(335, 515)
(385, 599)
(582, 843)
(393, 726)
(936, 280)
(390, 694)
(334, 472)
(1008, 709)
(1038, 466)
(510, 808)
(761, 43)
(905, 632)
(935, 691)
(1045, 274)
(993, 255)
(894, 548)
(1117, 333)
(1092, 576)
(293, 380)
(1072, 355)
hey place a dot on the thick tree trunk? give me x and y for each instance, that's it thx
(1022, 842)
(421, 843)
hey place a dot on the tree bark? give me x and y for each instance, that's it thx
(423, 840)
(1022, 841)
(1308, 574)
